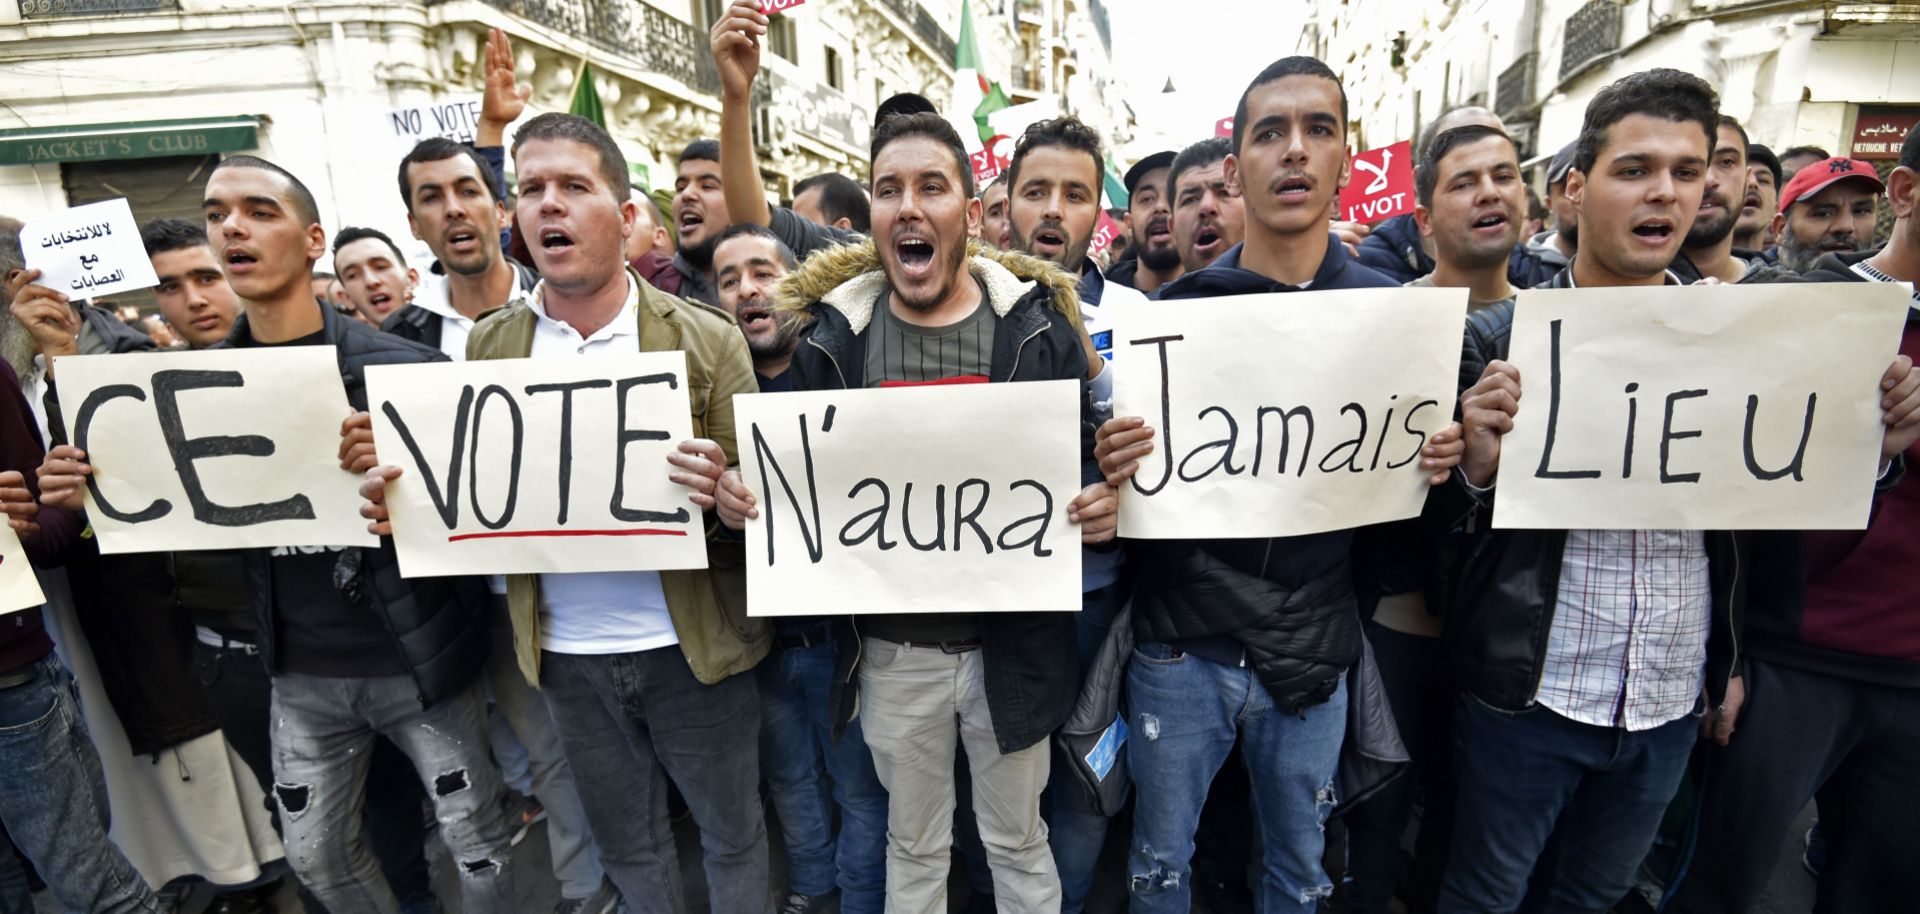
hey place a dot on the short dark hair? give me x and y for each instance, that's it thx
(557, 126)
(1065, 132)
(439, 149)
(1199, 155)
(1427, 176)
(1728, 120)
(1297, 65)
(923, 124)
(743, 229)
(163, 235)
(840, 198)
(1814, 151)
(703, 150)
(1661, 92)
(999, 180)
(304, 206)
(1910, 152)
(353, 233)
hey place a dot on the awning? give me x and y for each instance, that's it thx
(128, 140)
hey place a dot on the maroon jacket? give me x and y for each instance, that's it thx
(23, 637)
(657, 269)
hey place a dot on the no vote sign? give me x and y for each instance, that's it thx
(1381, 186)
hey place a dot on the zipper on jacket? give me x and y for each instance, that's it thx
(836, 362)
(1733, 592)
(1016, 352)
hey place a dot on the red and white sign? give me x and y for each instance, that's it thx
(1104, 232)
(772, 7)
(1381, 186)
(990, 161)
(1223, 127)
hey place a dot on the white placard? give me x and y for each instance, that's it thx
(521, 466)
(936, 499)
(88, 251)
(1284, 414)
(19, 587)
(1725, 407)
(219, 449)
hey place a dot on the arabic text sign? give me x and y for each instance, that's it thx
(1698, 408)
(537, 465)
(19, 588)
(1284, 414)
(223, 449)
(1381, 186)
(88, 251)
(892, 501)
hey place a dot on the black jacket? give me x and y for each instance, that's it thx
(1289, 601)
(439, 624)
(1031, 666)
(1504, 584)
(419, 325)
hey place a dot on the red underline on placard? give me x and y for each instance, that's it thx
(503, 534)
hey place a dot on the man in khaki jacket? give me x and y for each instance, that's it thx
(638, 667)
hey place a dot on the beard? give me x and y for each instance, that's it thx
(1073, 254)
(1705, 233)
(1800, 257)
(947, 268)
(16, 346)
(700, 256)
(1159, 260)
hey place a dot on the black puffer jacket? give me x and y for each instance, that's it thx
(1288, 602)
(439, 624)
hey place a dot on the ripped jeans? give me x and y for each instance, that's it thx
(323, 733)
(1184, 714)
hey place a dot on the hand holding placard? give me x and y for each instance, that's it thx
(88, 251)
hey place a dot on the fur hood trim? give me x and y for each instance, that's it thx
(849, 278)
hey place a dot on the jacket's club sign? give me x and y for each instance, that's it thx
(1698, 408)
(251, 438)
(892, 501)
(1381, 185)
(1284, 414)
(519, 466)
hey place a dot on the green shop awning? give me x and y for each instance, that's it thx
(128, 140)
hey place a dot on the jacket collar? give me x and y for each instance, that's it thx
(1225, 276)
(1564, 279)
(849, 280)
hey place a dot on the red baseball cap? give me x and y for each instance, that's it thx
(1814, 178)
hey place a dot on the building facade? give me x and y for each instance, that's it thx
(1841, 76)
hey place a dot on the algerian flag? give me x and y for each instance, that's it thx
(973, 96)
(1116, 188)
(586, 97)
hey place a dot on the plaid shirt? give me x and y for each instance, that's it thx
(1628, 647)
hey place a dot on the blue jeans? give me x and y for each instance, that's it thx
(1523, 776)
(53, 797)
(1185, 713)
(796, 731)
(1076, 830)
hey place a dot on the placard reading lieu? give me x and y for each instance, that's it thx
(88, 251)
(1284, 414)
(936, 499)
(19, 588)
(221, 449)
(523, 466)
(1698, 407)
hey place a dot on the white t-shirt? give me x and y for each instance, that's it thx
(611, 612)
(454, 326)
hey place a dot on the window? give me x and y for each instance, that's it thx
(780, 38)
(833, 69)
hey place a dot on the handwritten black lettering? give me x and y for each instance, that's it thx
(1286, 436)
(1358, 441)
(1041, 519)
(1419, 438)
(83, 425)
(167, 387)
(565, 471)
(763, 455)
(1165, 445)
(1225, 446)
(448, 505)
(1553, 415)
(1794, 466)
(876, 517)
(1668, 436)
(617, 507)
(513, 462)
(939, 541)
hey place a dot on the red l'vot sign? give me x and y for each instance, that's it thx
(1381, 186)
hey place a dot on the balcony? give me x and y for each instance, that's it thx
(1513, 90)
(55, 9)
(1592, 32)
(917, 17)
(649, 39)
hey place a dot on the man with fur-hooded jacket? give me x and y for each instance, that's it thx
(921, 304)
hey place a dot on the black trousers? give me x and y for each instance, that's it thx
(1852, 745)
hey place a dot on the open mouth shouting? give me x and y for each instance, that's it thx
(1207, 241)
(240, 261)
(690, 222)
(1049, 241)
(1293, 188)
(1750, 204)
(462, 239)
(1654, 232)
(1492, 223)
(555, 241)
(756, 317)
(915, 255)
(1160, 230)
(380, 302)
